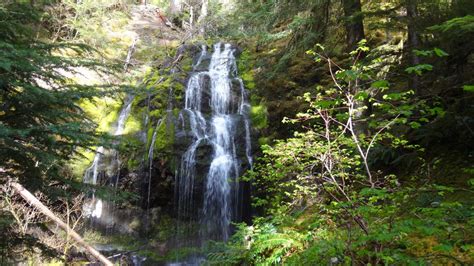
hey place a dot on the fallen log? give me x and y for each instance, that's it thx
(32, 200)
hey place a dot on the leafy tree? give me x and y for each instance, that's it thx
(326, 200)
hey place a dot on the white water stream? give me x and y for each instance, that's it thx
(215, 112)
(93, 208)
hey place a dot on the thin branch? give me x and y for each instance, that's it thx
(376, 134)
(356, 140)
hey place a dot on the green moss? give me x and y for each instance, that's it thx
(103, 111)
(133, 164)
(187, 64)
(164, 136)
(264, 141)
(248, 79)
(166, 83)
(176, 112)
(151, 254)
(149, 135)
(145, 53)
(153, 79)
(178, 87)
(246, 66)
(133, 124)
(258, 115)
(157, 113)
(81, 162)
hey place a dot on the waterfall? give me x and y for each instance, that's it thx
(215, 118)
(95, 207)
(150, 160)
(201, 56)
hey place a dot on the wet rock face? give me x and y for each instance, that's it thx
(222, 130)
(212, 142)
(202, 65)
(162, 181)
(166, 168)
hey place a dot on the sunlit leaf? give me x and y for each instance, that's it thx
(440, 53)
(380, 84)
(468, 88)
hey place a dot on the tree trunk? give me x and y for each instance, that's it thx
(191, 16)
(204, 10)
(413, 41)
(354, 22)
(32, 200)
(175, 7)
(130, 52)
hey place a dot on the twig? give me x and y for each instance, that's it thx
(378, 132)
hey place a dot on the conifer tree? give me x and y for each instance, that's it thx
(41, 124)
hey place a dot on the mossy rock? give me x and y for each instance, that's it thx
(258, 116)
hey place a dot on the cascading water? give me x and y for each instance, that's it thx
(215, 118)
(94, 208)
(214, 148)
(150, 160)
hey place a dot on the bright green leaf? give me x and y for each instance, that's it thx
(380, 84)
(468, 88)
(439, 52)
(362, 95)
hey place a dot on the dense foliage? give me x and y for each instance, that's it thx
(41, 123)
(379, 167)
(325, 203)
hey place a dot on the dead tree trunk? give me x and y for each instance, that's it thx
(32, 200)
(204, 11)
(131, 49)
(202, 16)
(175, 7)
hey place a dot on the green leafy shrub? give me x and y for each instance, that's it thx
(325, 198)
